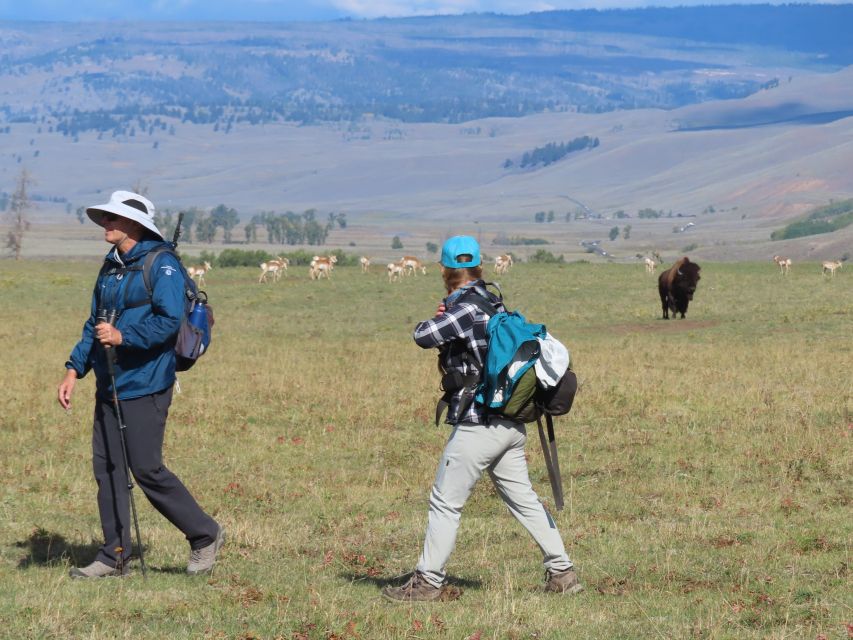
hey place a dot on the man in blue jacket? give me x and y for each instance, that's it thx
(143, 337)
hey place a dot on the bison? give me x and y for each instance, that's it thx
(677, 285)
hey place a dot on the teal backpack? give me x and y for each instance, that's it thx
(508, 385)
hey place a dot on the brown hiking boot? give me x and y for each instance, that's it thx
(99, 570)
(563, 582)
(417, 589)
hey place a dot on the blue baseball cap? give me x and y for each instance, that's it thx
(460, 246)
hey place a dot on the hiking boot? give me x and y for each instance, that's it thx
(417, 589)
(98, 570)
(563, 582)
(202, 560)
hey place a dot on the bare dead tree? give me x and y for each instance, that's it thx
(19, 206)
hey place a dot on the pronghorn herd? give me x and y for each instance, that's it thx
(322, 266)
(827, 266)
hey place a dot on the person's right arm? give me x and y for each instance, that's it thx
(445, 326)
(78, 363)
(66, 388)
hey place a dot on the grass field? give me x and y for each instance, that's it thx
(706, 464)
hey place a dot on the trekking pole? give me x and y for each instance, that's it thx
(111, 356)
(177, 235)
(552, 463)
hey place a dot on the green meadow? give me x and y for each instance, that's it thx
(706, 463)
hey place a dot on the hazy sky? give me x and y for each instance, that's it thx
(292, 9)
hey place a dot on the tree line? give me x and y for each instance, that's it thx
(199, 225)
(825, 219)
(552, 152)
(293, 228)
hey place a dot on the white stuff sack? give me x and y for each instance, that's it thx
(552, 362)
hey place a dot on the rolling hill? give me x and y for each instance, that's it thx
(206, 114)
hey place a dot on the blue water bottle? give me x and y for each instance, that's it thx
(198, 319)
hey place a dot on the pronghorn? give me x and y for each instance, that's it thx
(503, 263)
(322, 266)
(364, 261)
(320, 270)
(199, 271)
(831, 266)
(330, 260)
(395, 271)
(275, 267)
(328, 263)
(411, 265)
(283, 264)
(651, 265)
(784, 264)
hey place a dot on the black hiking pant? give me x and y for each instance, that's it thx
(145, 419)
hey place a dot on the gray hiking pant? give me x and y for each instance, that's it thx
(499, 449)
(145, 419)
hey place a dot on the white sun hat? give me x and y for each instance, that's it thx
(127, 205)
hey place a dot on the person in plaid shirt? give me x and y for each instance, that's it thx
(478, 442)
(459, 332)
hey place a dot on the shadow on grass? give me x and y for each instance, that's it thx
(174, 571)
(46, 548)
(397, 580)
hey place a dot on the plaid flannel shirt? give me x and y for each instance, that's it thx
(460, 334)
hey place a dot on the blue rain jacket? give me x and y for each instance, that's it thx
(145, 360)
(508, 333)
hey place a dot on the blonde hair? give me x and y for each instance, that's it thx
(455, 278)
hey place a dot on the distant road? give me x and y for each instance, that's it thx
(589, 212)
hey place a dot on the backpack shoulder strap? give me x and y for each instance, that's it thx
(472, 296)
(147, 266)
(112, 269)
(108, 269)
(497, 287)
(105, 269)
